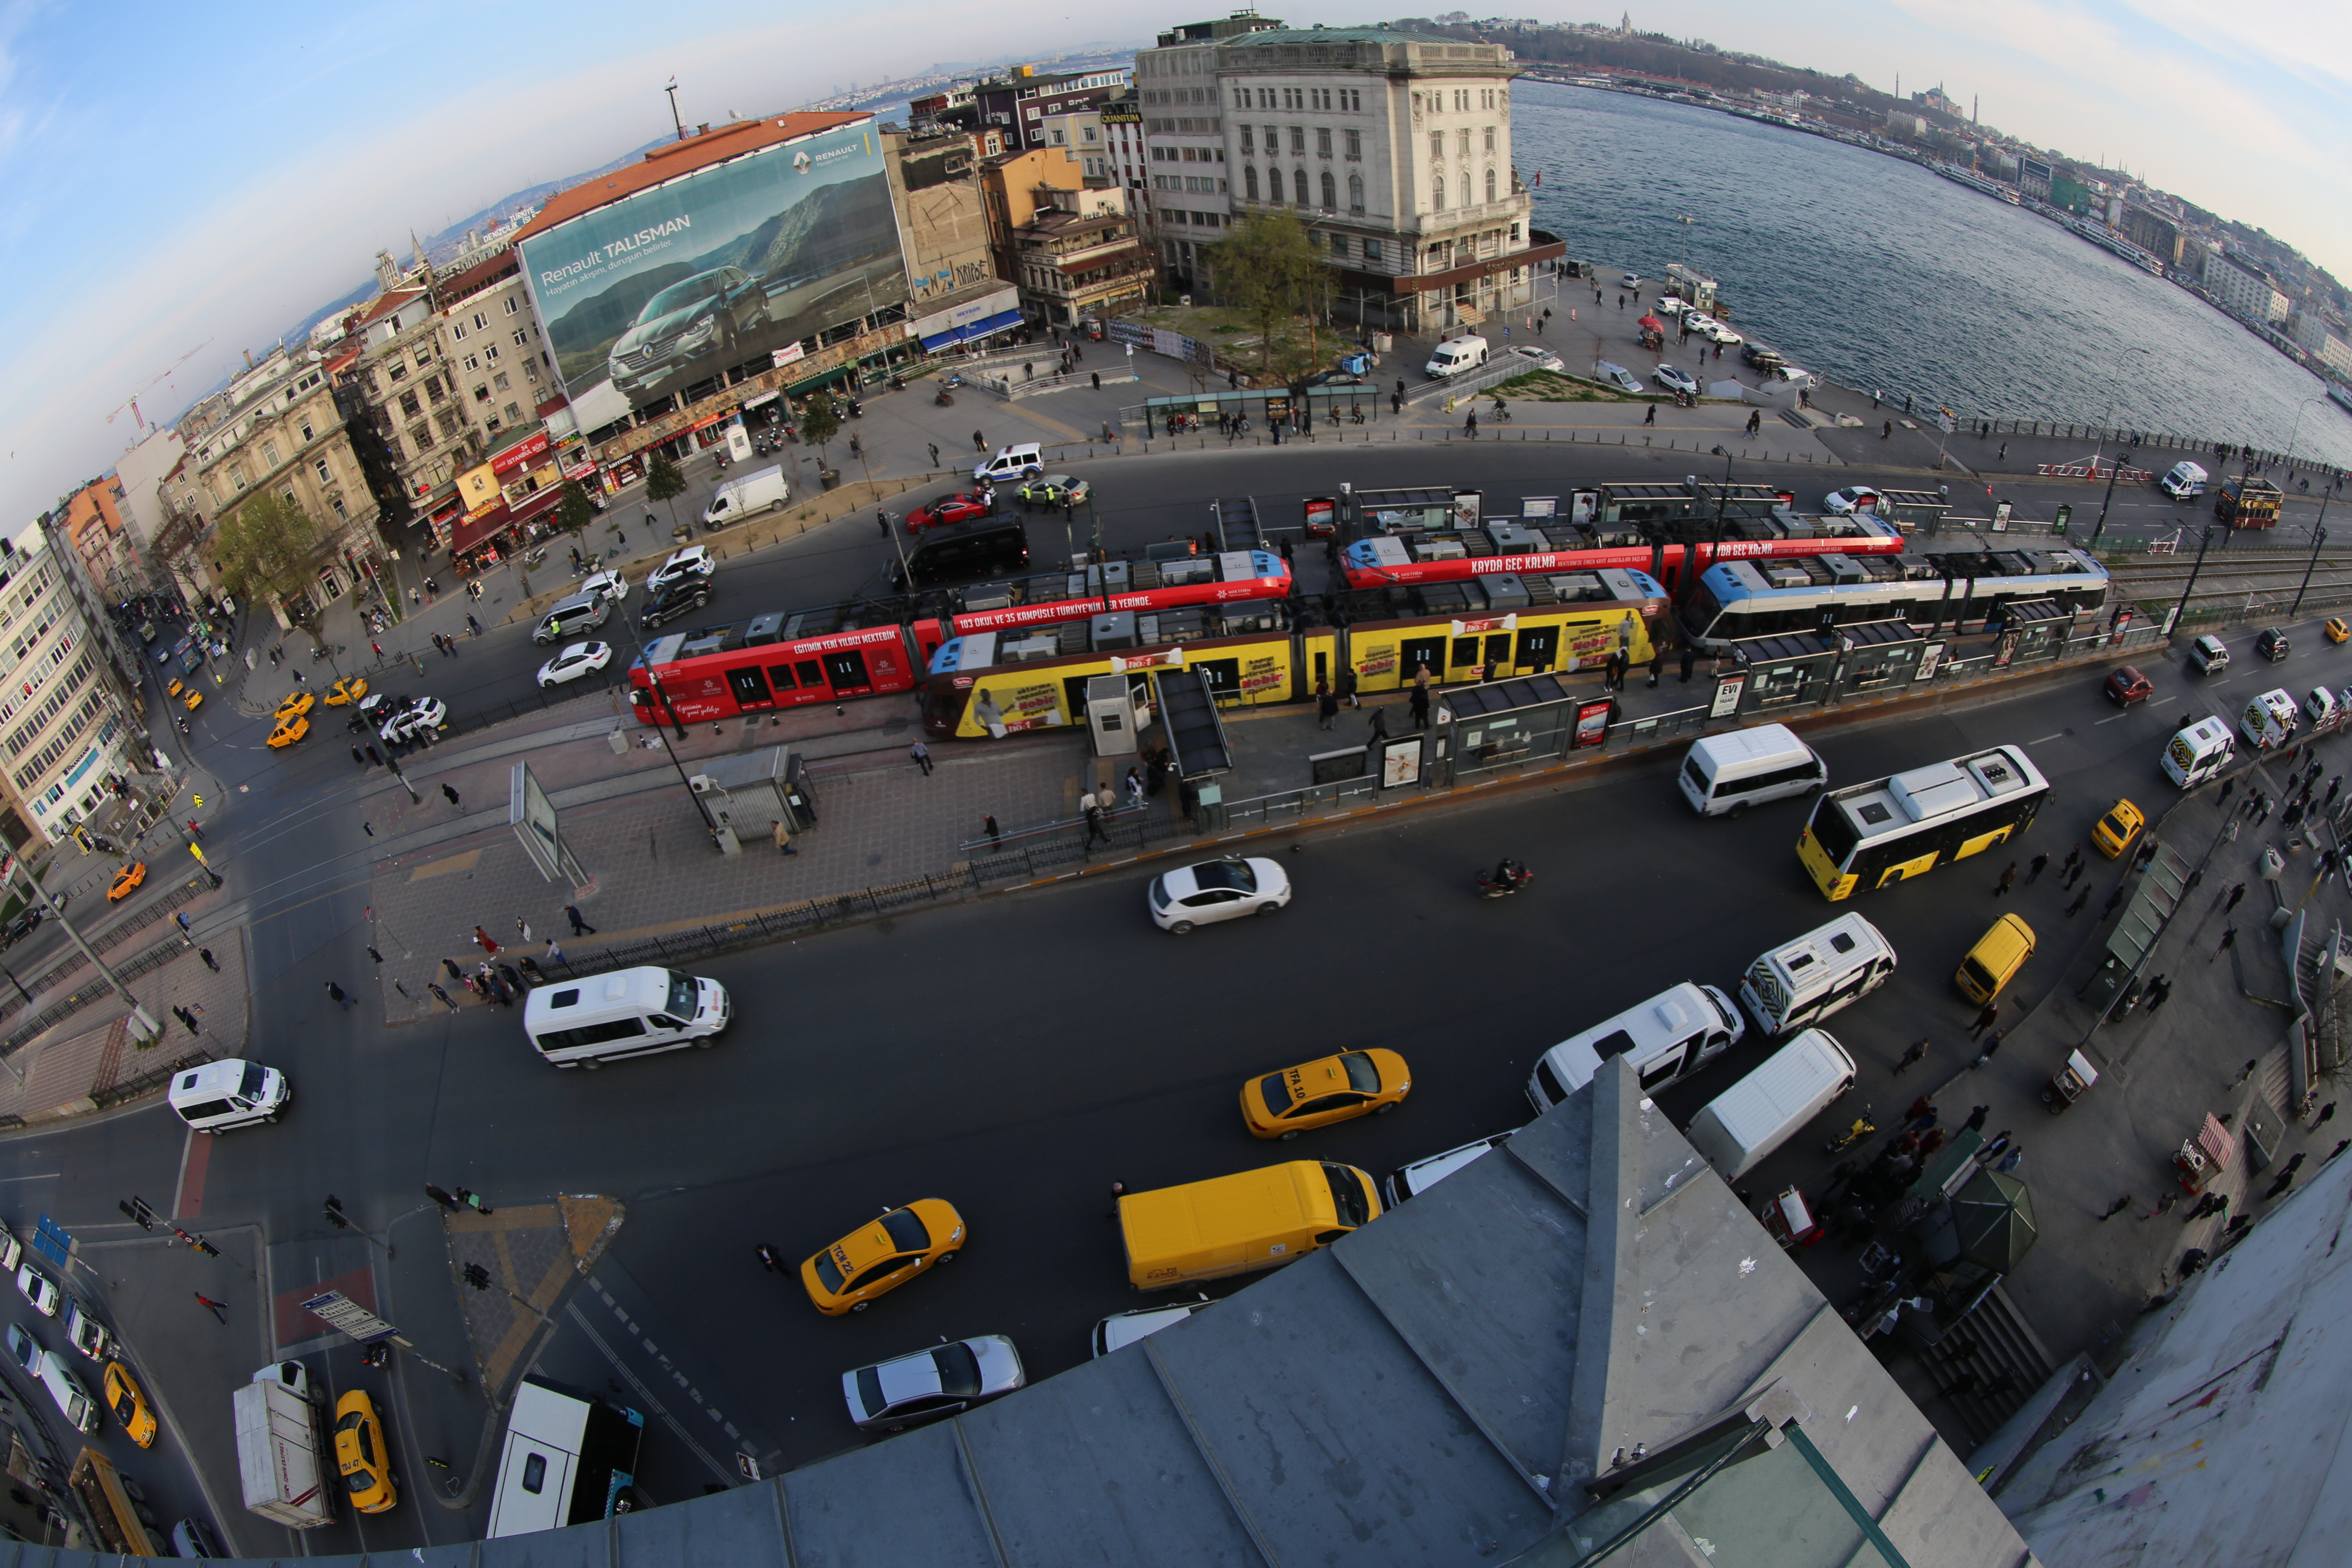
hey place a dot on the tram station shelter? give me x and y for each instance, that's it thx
(1577, 1338)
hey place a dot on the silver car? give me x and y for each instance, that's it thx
(895, 1395)
(1618, 376)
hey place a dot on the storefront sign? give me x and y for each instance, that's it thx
(520, 453)
(790, 355)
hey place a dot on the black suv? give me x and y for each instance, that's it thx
(675, 599)
(2272, 643)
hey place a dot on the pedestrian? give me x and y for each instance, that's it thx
(450, 793)
(468, 1197)
(2033, 869)
(438, 1196)
(443, 995)
(988, 826)
(1380, 726)
(2007, 880)
(1977, 1118)
(2113, 900)
(2190, 1262)
(1991, 1043)
(2279, 1188)
(1916, 1053)
(1922, 1111)
(365, 828)
(1134, 786)
(358, 756)
(374, 954)
(2117, 1207)
(1418, 701)
(185, 1018)
(336, 993)
(373, 759)
(486, 942)
(1985, 1016)
(2010, 1161)
(1649, 414)
(2227, 785)
(2076, 907)
(2235, 894)
(1657, 666)
(454, 973)
(2341, 1145)
(218, 1308)
(2327, 1114)
(1326, 705)
(2158, 990)
(2163, 1206)
(2228, 941)
(1994, 1149)
(782, 838)
(522, 927)
(934, 449)
(922, 757)
(977, 443)
(1689, 661)
(1095, 823)
(1347, 688)
(214, 964)
(2245, 1072)
(554, 951)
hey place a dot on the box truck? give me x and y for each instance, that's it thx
(278, 1452)
(1232, 1225)
(1767, 1108)
(749, 495)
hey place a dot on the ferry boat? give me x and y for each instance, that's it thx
(2107, 239)
(2342, 394)
(1977, 182)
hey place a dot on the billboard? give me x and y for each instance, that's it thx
(660, 291)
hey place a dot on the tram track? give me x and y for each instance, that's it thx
(2237, 585)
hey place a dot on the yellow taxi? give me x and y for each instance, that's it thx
(177, 687)
(2118, 828)
(287, 732)
(1316, 1094)
(294, 706)
(193, 700)
(129, 1403)
(879, 1257)
(126, 881)
(344, 691)
(2336, 629)
(361, 1456)
(1995, 959)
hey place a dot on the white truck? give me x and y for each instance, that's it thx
(1766, 1108)
(747, 497)
(1455, 356)
(278, 1452)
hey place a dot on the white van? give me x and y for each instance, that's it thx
(218, 1095)
(1412, 1180)
(1724, 774)
(2198, 753)
(2269, 720)
(1665, 1038)
(51, 1371)
(1455, 356)
(1770, 1106)
(2184, 481)
(1012, 463)
(628, 1013)
(1805, 981)
(746, 496)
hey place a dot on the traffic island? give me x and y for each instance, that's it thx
(513, 1267)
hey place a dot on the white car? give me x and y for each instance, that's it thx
(1853, 499)
(940, 1381)
(1631, 281)
(694, 561)
(89, 1335)
(1542, 359)
(1697, 321)
(1412, 1180)
(1674, 380)
(1123, 1328)
(40, 1289)
(12, 1251)
(425, 713)
(1216, 891)
(1669, 306)
(1718, 333)
(1618, 376)
(580, 659)
(613, 586)
(2320, 704)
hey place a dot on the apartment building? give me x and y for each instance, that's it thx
(1017, 104)
(1395, 150)
(1185, 138)
(279, 429)
(1083, 258)
(66, 734)
(95, 525)
(2244, 289)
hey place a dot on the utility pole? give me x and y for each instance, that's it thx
(145, 1021)
(2181, 608)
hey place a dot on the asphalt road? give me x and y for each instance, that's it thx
(1013, 1057)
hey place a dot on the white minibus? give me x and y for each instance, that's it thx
(1770, 1106)
(2198, 753)
(1803, 982)
(1665, 1038)
(627, 1013)
(1724, 774)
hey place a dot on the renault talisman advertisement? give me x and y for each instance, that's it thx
(658, 293)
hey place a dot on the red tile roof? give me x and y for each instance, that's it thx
(479, 277)
(674, 158)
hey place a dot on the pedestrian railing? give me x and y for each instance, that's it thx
(26, 1030)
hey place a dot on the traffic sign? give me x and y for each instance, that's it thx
(50, 1240)
(340, 1311)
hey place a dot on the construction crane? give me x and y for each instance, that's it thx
(132, 401)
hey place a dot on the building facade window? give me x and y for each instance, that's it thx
(1490, 139)
(1322, 142)
(1248, 143)
(1299, 190)
(1490, 184)
(1330, 191)
(1437, 193)
(1355, 192)
(1249, 181)
(1355, 143)
(1436, 145)
(1298, 141)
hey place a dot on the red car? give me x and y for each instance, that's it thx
(2127, 686)
(961, 506)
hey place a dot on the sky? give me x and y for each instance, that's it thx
(179, 185)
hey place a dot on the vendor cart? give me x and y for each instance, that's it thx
(1791, 1221)
(2204, 1157)
(2069, 1083)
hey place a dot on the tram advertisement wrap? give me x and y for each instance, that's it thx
(1262, 673)
(1024, 705)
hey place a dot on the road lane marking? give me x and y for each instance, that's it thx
(188, 1197)
(2047, 739)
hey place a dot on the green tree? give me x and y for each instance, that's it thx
(1268, 269)
(820, 424)
(665, 482)
(268, 549)
(573, 511)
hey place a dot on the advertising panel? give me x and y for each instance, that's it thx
(662, 290)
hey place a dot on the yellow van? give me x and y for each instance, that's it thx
(1231, 1224)
(1995, 959)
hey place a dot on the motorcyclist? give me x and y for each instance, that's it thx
(1506, 875)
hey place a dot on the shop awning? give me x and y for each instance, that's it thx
(503, 516)
(987, 326)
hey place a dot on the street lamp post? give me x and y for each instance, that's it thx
(2181, 608)
(2318, 538)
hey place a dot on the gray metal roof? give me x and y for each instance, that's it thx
(1430, 1390)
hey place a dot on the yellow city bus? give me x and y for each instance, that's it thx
(1874, 834)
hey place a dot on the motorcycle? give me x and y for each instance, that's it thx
(1490, 888)
(324, 651)
(898, 383)
(944, 398)
(856, 409)
(535, 557)
(1862, 1128)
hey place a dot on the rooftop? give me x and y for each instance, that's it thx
(672, 158)
(1372, 35)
